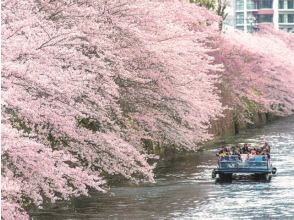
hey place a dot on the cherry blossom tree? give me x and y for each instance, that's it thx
(180, 106)
(33, 171)
(83, 82)
(258, 67)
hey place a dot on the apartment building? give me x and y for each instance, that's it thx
(249, 14)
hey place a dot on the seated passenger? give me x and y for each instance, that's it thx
(258, 151)
(221, 152)
(253, 151)
(251, 154)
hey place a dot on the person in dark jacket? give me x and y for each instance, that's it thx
(245, 149)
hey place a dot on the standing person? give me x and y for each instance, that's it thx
(228, 150)
(267, 147)
(266, 153)
(253, 151)
(238, 148)
(245, 149)
(236, 151)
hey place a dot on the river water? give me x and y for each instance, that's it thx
(184, 188)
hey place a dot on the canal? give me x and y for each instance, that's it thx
(184, 188)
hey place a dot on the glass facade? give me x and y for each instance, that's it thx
(290, 4)
(265, 18)
(284, 21)
(240, 28)
(239, 18)
(291, 18)
(251, 4)
(281, 4)
(265, 4)
(281, 18)
(239, 5)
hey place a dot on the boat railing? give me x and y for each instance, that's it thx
(235, 162)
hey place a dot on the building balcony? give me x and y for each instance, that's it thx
(265, 11)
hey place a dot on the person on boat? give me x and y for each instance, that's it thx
(253, 151)
(227, 151)
(258, 151)
(267, 147)
(221, 152)
(236, 152)
(238, 148)
(251, 154)
(245, 149)
(267, 154)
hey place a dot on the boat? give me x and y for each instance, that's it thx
(258, 165)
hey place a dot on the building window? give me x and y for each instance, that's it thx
(281, 18)
(265, 4)
(281, 4)
(239, 18)
(265, 18)
(251, 4)
(291, 18)
(240, 28)
(290, 4)
(239, 21)
(239, 5)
